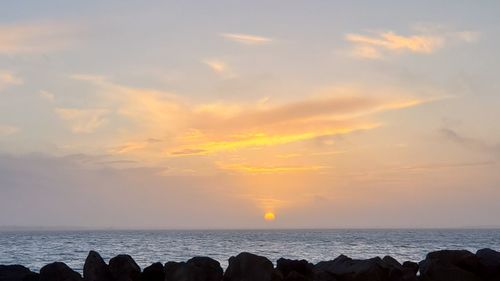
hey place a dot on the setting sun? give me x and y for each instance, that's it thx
(269, 216)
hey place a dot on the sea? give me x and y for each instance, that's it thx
(34, 249)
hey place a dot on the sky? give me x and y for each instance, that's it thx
(249, 114)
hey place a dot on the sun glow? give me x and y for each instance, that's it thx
(269, 216)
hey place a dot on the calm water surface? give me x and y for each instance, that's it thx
(35, 249)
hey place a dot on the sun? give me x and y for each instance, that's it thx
(269, 216)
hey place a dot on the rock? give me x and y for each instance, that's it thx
(250, 267)
(124, 268)
(295, 269)
(95, 269)
(176, 271)
(295, 276)
(32, 277)
(489, 264)
(16, 273)
(195, 269)
(374, 269)
(411, 267)
(207, 267)
(154, 272)
(410, 270)
(59, 271)
(391, 261)
(456, 265)
(321, 275)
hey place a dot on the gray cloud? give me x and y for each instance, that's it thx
(41, 190)
(470, 143)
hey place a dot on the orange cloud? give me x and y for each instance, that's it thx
(6, 130)
(219, 67)
(247, 39)
(374, 46)
(231, 143)
(8, 78)
(189, 129)
(390, 40)
(33, 37)
(128, 147)
(82, 120)
(270, 169)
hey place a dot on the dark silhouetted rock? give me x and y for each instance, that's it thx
(250, 267)
(391, 261)
(410, 267)
(456, 265)
(16, 273)
(124, 268)
(177, 271)
(396, 271)
(489, 264)
(321, 275)
(195, 269)
(207, 267)
(154, 272)
(374, 269)
(32, 277)
(95, 269)
(295, 269)
(295, 276)
(59, 271)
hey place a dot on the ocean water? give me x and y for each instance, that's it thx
(37, 248)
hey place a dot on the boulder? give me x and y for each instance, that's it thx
(411, 267)
(177, 271)
(195, 269)
(295, 269)
(124, 268)
(295, 276)
(374, 269)
(59, 271)
(208, 267)
(391, 261)
(250, 267)
(16, 273)
(95, 269)
(321, 275)
(456, 265)
(32, 277)
(489, 264)
(401, 272)
(154, 272)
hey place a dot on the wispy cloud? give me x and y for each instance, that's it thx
(83, 120)
(6, 130)
(439, 166)
(247, 39)
(211, 128)
(427, 41)
(8, 78)
(233, 143)
(47, 95)
(129, 147)
(136, 146)
(470, 143)
(219, 67)
(33, 37)
(251, 169)
(391, 41)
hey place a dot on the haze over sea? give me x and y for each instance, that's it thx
(37, 248)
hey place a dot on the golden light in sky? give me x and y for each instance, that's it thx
(389, 113)
(269, 216)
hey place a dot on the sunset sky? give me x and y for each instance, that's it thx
(249, 114)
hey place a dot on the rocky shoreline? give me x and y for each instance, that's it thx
(452, 265)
